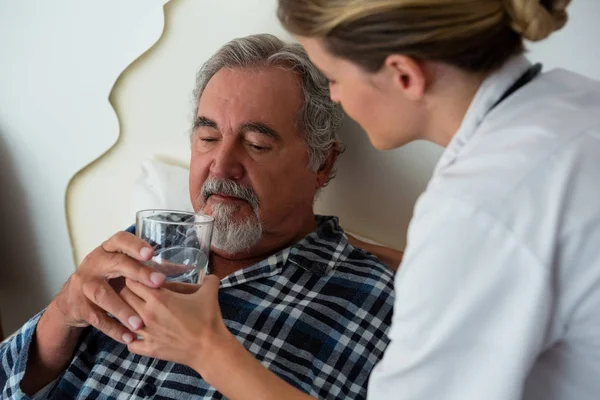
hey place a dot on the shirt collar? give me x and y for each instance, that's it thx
(490, 91)
(318, 253)
(323, 249)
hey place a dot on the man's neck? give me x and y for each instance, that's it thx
(222, 264)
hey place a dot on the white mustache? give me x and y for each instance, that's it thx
(229, 188)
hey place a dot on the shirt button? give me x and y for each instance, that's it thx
(149, 389)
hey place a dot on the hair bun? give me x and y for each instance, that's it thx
(535, 21)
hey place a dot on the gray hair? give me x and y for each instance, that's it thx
(319, 119)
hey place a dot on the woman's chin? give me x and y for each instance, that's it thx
(387, 142)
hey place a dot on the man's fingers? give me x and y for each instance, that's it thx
(127, 243)
(125, 266)
(180, 287)
(129, 264)
(117, 284)
(110, 327)
(105, 298)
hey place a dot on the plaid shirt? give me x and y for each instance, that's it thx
(317, 314)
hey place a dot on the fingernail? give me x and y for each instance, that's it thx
(146, 252)
(135, 323)
(157, 278)
(127, 338)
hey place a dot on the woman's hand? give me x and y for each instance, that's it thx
(181, 322)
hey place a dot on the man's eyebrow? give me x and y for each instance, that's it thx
(203, 122)
(262, 128)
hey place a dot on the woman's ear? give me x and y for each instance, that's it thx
(408, 75)
(326, 169)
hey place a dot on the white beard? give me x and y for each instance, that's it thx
(233, 236)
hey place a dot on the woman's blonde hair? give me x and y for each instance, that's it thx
(476, 35)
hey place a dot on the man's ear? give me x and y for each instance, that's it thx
(327, 168)
(408, 75)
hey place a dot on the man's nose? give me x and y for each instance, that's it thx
(227, 163)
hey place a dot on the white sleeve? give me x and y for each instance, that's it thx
(471, 311)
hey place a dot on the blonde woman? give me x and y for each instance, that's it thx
(498, 296)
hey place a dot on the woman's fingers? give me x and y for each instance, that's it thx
(209, 291)
(133, 300)
(140, 290)
(182, 288)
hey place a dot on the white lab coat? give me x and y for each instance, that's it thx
(498, 296)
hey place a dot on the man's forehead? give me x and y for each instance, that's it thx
(269, 81)
(237, 96)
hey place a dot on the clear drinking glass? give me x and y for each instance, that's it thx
(181, 242)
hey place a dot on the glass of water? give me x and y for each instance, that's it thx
(181, 242)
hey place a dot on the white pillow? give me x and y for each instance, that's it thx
(161, 186)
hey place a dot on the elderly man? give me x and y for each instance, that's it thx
(286, 286)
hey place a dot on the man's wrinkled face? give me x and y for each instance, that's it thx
(249, 164)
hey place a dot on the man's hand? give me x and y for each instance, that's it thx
(85, 300)
(88, 295)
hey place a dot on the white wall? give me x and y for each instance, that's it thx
(577, 46)
(374, 192)
(59, 60)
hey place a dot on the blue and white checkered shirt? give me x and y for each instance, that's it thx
(317, 314)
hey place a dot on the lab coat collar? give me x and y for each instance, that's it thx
(490, 91)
